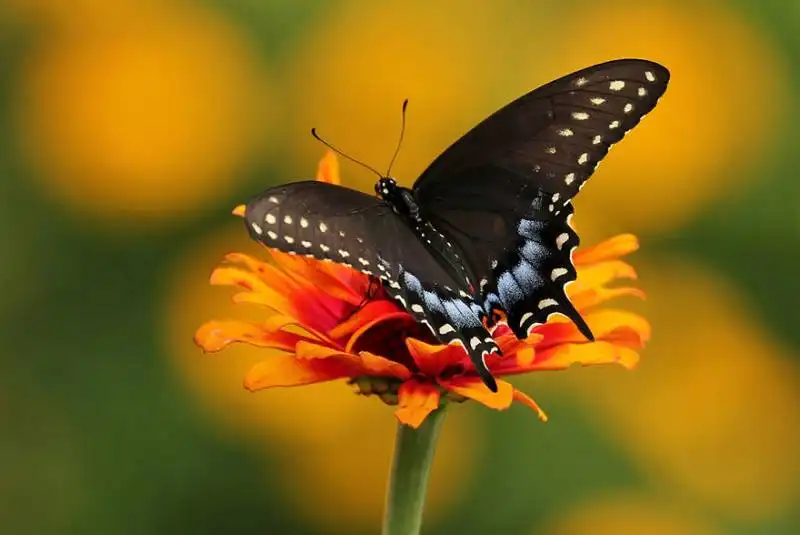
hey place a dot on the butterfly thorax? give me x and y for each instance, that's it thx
(399, 198)
(403, 203)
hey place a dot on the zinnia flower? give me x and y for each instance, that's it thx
(316, 315)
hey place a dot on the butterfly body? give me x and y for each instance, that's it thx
(484, 234)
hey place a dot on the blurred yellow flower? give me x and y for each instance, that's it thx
(445, 57)
(145, 119)
(729, 84)
(626, 515)
(716, 410)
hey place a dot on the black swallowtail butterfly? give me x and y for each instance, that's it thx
(484, 234)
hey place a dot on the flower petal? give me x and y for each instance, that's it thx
(267, 295)
(563, 356)
(600, 274)
(240, 210)
(433, 359)
(286, 370)
(215, 336)
(365, 363)
(366, 315)
(314, 273)
(618, 326)
(474, 388)
(610, 249)
(595, 296)
(528, 401)
(328, 169)
(401, 318)
(416, 401)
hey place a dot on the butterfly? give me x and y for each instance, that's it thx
(483, 237)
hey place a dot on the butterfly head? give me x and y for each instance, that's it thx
(386, 188)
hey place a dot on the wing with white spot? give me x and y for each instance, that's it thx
(333, 223)
(554, 136)
(502, 192)
(330, 222)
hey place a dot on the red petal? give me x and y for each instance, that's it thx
(416, 401)
(364, 363)
(367, 315)
(402, 318)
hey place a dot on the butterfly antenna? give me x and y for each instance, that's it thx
(400, 141)
(337, 151)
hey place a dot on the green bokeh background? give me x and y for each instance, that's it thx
(100, 435)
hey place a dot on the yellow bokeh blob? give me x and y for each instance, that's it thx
(146, 119)
(55, 15)
(719, 116)
(626, 515)
(336, 446)
(351, 77)
(711, 412)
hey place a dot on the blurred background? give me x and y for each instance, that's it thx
(130, 128)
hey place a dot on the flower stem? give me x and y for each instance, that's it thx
(408, 479)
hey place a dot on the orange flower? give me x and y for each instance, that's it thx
(315, 317)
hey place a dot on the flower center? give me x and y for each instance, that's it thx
(388, 339)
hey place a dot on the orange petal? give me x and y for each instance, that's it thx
(474, 388)
(364, 363)
(215, 336)
(377, 365)
(240, 210)
(268, 273)
(563, 356)
(595, 296)
(313, 272)
(367, 314)
(600, 274)
(416, 401)
(267, 296)
(527, 400)
(286, 370)
(433, 359)
(328, 169)
(618, 326)
(610, 249)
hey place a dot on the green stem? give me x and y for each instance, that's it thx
(408, 479)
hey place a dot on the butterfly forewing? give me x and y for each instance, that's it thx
(555, 135)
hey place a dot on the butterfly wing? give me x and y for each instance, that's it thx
(502, 192)
(338, 224)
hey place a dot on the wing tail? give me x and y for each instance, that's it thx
(529, 285)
